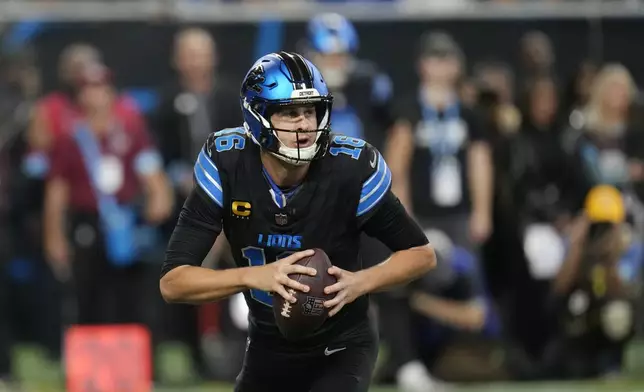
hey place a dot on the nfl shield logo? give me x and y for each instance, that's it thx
(281, 219)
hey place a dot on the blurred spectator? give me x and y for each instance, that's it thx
(606, 138)
(537, 58)
(55, 111)
(538, 163)
(108, 161)
(497, 79)
(361, 92)
(578, 91)
(438, 154)
(539, 182)
(593, 299)
(29, 297)
(437, 139)
(447, 305)
(198, 102)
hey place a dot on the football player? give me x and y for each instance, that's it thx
(362, 94)
(279, 186)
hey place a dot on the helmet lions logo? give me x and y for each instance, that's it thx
(255, 78)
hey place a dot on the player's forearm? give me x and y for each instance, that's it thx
(468, 315)
(196, 285)
(482, 178)
(402, 267)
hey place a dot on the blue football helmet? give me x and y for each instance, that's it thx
(332, 33)
(282, 79)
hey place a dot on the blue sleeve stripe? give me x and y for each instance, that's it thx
(207, 184)
(208, 164)
(207, 176)
(375, 188)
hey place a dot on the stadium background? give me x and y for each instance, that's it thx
(136, 41)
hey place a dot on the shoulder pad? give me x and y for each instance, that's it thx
(362, 163)
(229, 139)
(343, 146)
(217, 154)
(375, 179)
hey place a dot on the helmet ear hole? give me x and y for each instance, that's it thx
(258, 108)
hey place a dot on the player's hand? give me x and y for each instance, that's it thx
(348, 287)
(274, 278)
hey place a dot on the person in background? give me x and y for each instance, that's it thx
(362, 92)
(441, 147)
(537, 160)
(30, 297)
(605, 140)
(105, 192)
(537, 58)
(594, 292)
(446, 306)
(441, 166)
(497, 79)
(194, 104)
(578, 89)
(55, 111)
(539, 182)
(11, 97)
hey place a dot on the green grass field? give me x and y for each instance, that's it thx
(40, 375)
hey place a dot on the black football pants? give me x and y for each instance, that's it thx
(341, 366)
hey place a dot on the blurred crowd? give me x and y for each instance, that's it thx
(528, 184)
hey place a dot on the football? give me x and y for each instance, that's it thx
(302, 318)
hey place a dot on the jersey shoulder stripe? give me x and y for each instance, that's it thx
(208, 179)
(376, 186)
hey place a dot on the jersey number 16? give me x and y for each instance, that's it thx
(350, 146)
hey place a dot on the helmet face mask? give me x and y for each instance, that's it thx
(281, 80)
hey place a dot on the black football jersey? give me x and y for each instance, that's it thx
(340, 193)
